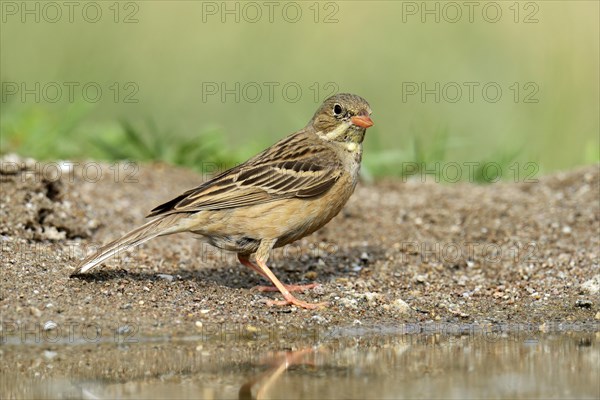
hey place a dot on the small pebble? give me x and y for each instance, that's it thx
(166, 277)
(311, 275)
(401, 306)
(584, 303)
(592, 286)
(35, 312)
(123, 329)
(319, 289)
(319, 319)
(371, 297)
(48, 326)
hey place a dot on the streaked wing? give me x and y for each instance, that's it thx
(298, 166)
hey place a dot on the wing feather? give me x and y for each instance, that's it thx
(279, 172)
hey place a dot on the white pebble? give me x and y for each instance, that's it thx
(48, 326)
(166, 277)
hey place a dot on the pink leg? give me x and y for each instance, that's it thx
(291, 288)
(262, 269)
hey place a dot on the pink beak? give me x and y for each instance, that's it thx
(362, 120)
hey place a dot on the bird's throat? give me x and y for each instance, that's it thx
(337, 133)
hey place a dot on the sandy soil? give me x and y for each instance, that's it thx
(400, 252)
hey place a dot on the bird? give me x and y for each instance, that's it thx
(282, 194)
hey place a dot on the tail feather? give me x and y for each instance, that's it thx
(158, 227)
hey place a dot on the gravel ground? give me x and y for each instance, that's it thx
(400, 252)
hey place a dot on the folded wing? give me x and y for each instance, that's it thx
(278, 173)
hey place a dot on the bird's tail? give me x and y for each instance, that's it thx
(157, 227)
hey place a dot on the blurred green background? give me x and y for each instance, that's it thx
(189, 82)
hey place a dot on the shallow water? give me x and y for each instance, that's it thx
(452, 361)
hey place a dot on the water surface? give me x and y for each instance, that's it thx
(349, 363)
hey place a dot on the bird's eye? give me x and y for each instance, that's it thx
(337, 109)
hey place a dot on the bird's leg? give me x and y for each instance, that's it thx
(291, 288)
(246, 261)
(262, 255)
(289, 299)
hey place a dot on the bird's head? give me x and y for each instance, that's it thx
(343, 118)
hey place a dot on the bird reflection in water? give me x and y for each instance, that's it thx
(262, 384)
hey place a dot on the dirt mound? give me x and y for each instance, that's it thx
(36, 205)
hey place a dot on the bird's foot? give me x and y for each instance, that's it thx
(290, 288)
(295, 302)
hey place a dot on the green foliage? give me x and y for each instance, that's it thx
(151, 144)
(64, 134)
(41, 133)
(67, 133)
(443, 159)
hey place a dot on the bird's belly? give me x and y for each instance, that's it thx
(242, 229)
(308, 216)
(314, 216)
(238, 243)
